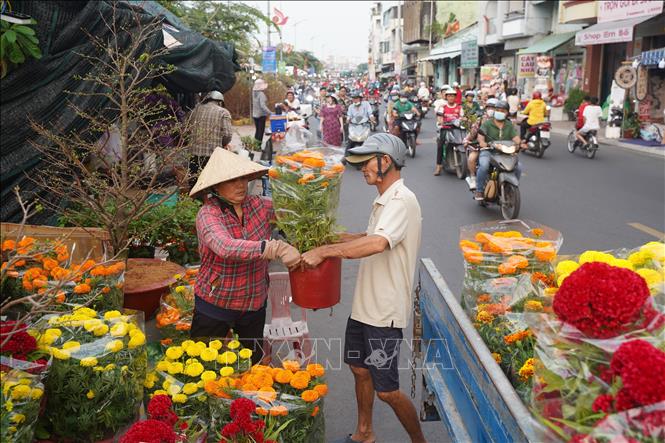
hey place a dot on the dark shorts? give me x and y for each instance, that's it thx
(376, 349)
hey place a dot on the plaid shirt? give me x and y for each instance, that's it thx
(233, 275)
(211, 127)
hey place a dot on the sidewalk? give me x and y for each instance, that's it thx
(564, 128)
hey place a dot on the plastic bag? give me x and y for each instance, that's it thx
(21, 395)
(95, 384)
(289, 398)
(176, 309)
(305, 191)
(646, 424)
(297, 138)
(185, 368)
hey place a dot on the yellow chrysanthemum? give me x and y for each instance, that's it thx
(160, 392)
(194, 369)
(174, 389)
(88, 361)
(193, 351)
(190, 388)
(72, 346)
(109, 367)
(101, 330)
(560, 279)
(119, 329)
(209, 354)
(84, 312)
(227, 358)
(162, 365)
(180, 289)
(174, 352)
(20, 392)
(109, 315)
(245, 354)
(533, 305)
(623, 263)
(215, 344)
(566, 267)
(175, 368)
(226, 371)
(233, 344)
(526, 371)
(654, 250)
(90, 394)
(186, 344)
(596, 256)
(36, 393)
(17, 418)
(91, 324)
(137, 340)
(179, 398)
(60, 354)
(484, 317)
(208, 375)
(651, 276)
(114, 346)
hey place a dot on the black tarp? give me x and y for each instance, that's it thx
(37, 88)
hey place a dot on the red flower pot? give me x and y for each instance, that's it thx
(146, 280)
(319, 287)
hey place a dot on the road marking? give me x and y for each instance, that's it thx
(651, 231)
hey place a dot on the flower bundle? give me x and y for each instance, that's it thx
(289, 398)
(644, 424)
(176, 310)
(36, 266)
(20, 398)
(18, 348)
(99, 364)
(306, 186)
(603, 354)
(184, 369)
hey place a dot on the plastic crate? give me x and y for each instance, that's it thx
(278, 123)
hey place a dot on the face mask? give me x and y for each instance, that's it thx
(357, 104)
(394, 98)
(498, 115)
(490, 112)
(403, 100)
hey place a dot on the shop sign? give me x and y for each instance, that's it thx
(616, 35)
(610, 11)
(489, 73)
(527, 66)
(269, 59)
(544, 65)
(642, 85)
(469, 56)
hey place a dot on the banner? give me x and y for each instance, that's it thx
(489, 73)
(269, 59)
(469, 54)
(527, 66)
(610, 11)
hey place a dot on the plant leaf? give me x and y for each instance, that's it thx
(10, 36)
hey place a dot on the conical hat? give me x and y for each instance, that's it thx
(224, 165)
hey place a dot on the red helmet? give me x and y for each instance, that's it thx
(536, 95)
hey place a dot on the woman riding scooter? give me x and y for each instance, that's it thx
(473, 151)
(535, 110)
(446, 114)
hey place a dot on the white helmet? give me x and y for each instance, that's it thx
(422, 84)
(455, 84)
(450, 91)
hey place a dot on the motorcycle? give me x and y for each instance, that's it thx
(502, 187)
(452, 134)
(424, 107)
(408, 124)
(591, 145)
(538, 138)
(359, 130)
(375, 112)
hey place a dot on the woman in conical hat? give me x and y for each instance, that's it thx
(233, 230)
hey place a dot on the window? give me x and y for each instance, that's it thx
(515, 8)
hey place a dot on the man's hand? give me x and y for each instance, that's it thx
(313, 258)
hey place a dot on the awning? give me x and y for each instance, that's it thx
(440, 56)
(609, 32)
(548, 43)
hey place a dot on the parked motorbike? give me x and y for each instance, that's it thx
(538, 138)
(359, 130)
(375, 112)
(502, 187)
(452, 134)
(408, 124)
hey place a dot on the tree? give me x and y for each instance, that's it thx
(303, 60)
(117, 185)
(362, 68)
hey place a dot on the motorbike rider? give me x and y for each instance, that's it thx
(590, 116)
(496, 129)
(446, 114)
(580, 112)
(470, 105)
(291, 102)
(402, 106)
(535, 110)
(470, 142)
(392, 99)
(359, 108)
(423, 92)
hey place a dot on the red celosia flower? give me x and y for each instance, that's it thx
(20, 343)
(641, 367)
(602, 403)
(159, 408)
(150, 431)
(230, 430)
(601, 300)
(242, 408)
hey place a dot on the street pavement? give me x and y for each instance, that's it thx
(615, 200)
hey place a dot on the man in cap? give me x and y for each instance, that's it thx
(382, 301)
(211, 128)
(233, 230)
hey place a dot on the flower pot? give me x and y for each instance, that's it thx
(319, 287)
(146, 280)
(628, 133)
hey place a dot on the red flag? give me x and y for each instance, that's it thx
(279, 18)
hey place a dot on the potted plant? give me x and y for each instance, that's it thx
(251, 144)
(174, 229)
(631, 125)
(575, 97)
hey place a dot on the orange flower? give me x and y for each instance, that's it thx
(291, 365)
(106, 290)
(300, 380)
(59, 273)
(261, 411)
(316, 370)
(325, 184)
(12, 274)
(83, 288)
(60, 297)
(309, 395)
(272, 173)
(276, 411)
(483, 298)
(27, 285)
(261, 379)
(507, 268)
(322, 389)
(283, 376)
(314, 162)
(87, 265)
(26, 242)
(519, 261)
(166, 341)
(306, 179)
(191, 272)
(98, 271)
(49, 263)
(267, 394)
(315, 412)
(468, 245)
(19, 263)
(537, 232)
(8, 245)
(517, 336)
(475, 257)
(183, 326)
(545, 253)
(337, 167)
(249, 387)
(39, 283)
(482, 237)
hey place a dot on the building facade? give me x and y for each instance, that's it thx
(417, 39)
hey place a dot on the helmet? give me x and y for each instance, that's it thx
(395, 88)
(215, 95)
(500, 104)
(422, 84)
(536, 95)
(491, 102)
(356, 94)
(379, 144)
(455, 84)
(444, 87)
(403, 94)
(450, 91)
(469, 93)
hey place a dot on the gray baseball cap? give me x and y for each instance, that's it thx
(387, 144)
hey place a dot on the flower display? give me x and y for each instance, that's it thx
(288, 398)
(20, 398)
(185, 369)
(99, 363)
(643, 424)
(306, 186)
(174, 319)
(33, 266)
(18, 345)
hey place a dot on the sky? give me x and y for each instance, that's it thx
(339, 28)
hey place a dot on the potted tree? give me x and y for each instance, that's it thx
(631, 125)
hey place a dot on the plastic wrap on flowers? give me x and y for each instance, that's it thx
(603, 353)
(645, 424)
(501, 249)
(20, 399)
(95, 384)
(289, 399)
(18, 349)
(45, 268)
(185, 368)
(306, 187)
(648, 261)
(176, 309)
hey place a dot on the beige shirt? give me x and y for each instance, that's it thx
(383, 295)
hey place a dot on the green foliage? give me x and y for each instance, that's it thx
(303, 60)
(17, 43)
(250, 143)
(632, 123)
(575, 97)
